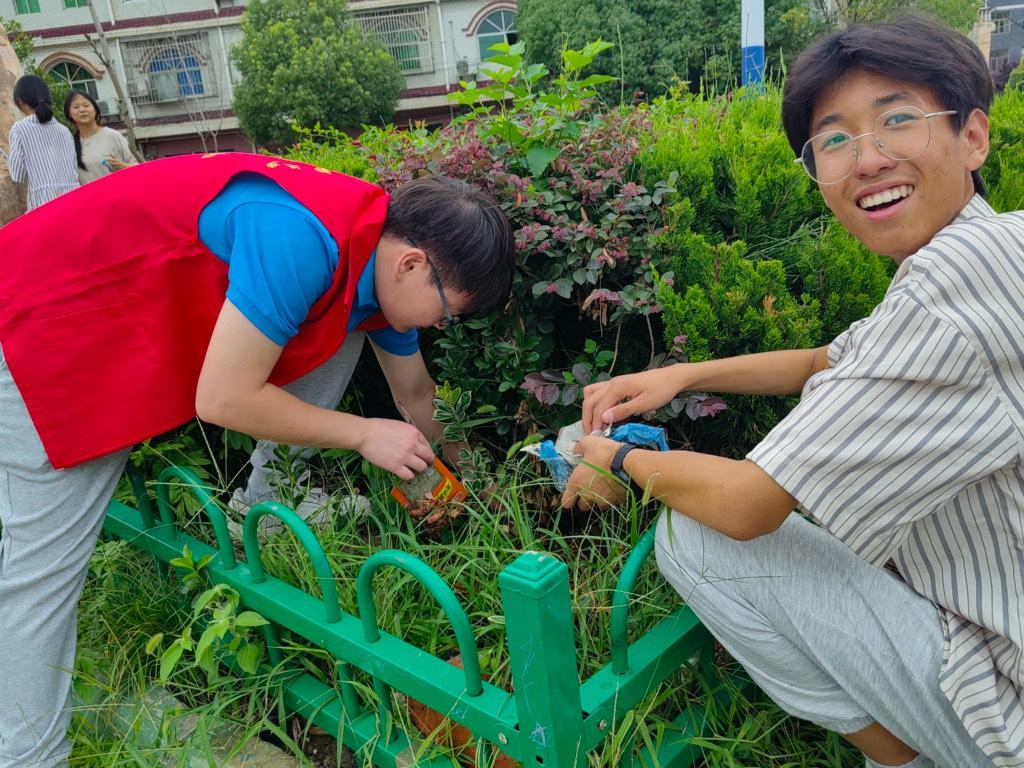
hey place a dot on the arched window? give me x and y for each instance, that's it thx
(79, 78)
(176, 72)
(497, 27)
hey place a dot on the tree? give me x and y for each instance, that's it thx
(959, 14)
(308, 63)
(659, 42)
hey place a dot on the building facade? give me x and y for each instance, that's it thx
(1007, 18)
(173, 58)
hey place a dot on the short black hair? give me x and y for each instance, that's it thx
(465, 233)
(33, 91)
(911, 48)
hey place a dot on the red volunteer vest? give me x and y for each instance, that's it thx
(108, 298)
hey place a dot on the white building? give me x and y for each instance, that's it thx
(173, 57)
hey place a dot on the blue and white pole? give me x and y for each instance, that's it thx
(752, 37)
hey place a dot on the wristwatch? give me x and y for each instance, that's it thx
(620, 456)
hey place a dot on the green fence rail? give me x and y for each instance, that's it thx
(550, 718)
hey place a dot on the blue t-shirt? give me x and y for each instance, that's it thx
(281, 259)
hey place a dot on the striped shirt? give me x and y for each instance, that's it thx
(44, 155)
(908, 449)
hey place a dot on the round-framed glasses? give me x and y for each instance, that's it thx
(901, 133)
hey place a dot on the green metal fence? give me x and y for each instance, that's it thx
(550, 718)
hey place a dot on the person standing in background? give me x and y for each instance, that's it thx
(98, 150)
(42, 150)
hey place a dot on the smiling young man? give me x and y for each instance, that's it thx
(235, 287)
(897, 620)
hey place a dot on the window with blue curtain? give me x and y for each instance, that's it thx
(181, 64)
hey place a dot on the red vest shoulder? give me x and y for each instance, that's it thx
(108, 297)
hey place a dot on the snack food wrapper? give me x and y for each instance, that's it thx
(560, 460)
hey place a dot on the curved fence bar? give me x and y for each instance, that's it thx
(207, 504)
(138, 484)
(306, 537)
(620, 602)
(437, 587)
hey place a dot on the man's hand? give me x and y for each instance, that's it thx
(588, 486)
(395, 446)
(608, 402)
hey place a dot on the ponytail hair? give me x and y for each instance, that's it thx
(33, 91)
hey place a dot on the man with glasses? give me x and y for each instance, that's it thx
(237, 287)
(896, 618)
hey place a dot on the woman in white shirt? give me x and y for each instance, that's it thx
(99, 150)
(42, 150)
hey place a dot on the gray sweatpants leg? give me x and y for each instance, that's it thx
(828, 637)
(50, 523)
(324, 387)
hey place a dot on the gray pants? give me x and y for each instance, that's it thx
(51, 520)
(828, 637)
(50, 523)
(323, 387)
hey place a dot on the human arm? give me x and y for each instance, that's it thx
(736, 498)
(122, 157)
(782, 372)
(413, 391)
(16, 165)
(233, 392)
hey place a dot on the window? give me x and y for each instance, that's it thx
(76, 3)
(175, 69)
(77, 77)
(405, 33)
(998, 60)
(26, 6)
(498, 27)
(1002, 23)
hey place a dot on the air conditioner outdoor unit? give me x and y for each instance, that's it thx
(138, 88)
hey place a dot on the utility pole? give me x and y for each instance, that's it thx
(752, 41)
(126, 108)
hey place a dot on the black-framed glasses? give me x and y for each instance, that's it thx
(449, 318)
(901, 133)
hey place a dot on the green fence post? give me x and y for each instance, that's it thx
(542, 653)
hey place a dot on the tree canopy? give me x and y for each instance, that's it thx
(308, 63)
(959, 14)
(660, 42)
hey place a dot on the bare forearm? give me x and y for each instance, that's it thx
(733, 497)
(270, 413)
(766, 373)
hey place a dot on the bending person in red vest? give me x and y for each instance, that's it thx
(250, 279)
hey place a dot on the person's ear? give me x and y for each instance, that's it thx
(408, 260)
(975, 136)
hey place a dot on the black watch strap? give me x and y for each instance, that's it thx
(620, 456)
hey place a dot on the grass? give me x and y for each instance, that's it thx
(126, 602)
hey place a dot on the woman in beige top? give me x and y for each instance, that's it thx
(100, 150)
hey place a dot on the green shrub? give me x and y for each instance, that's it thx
(701, 191)
(1004, 170)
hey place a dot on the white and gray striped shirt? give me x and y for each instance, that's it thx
(909, 449)
(44, 155)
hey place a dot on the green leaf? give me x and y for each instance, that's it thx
(539, 157)
(206, 641)
(249, 657)
(169, 660)
(250, 619)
